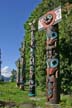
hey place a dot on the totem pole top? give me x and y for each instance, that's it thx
(32, 25)
(50, 18)
(18, 63)
(0, 56)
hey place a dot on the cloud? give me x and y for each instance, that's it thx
(6, 71)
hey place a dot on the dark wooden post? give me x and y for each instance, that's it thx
(49, 22)
(22, 65)
(52, 59)
(32, 62)
(18, 73)
(0, 62)
(1, 77)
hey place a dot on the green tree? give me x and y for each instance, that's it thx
(13, 76)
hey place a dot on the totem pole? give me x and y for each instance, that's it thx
(49, 23)
(0, 62)
(18, 73)
(0, 66)
(22, 66)
(32, 62)
(1, 77)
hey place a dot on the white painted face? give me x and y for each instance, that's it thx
(48, 16)
(31, 81)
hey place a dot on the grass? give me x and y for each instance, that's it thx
(9, 92)
(66, 101)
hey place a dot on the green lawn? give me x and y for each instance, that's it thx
(9, 92)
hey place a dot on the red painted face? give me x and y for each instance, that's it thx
(50, 41)
(48, 19)
(50, 71)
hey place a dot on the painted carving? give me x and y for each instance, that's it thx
(32, 63)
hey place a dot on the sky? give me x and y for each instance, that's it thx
(13, 14)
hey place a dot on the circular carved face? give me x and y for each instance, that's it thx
(48, 18)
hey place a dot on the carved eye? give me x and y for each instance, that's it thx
(54, 63)
(54, 35)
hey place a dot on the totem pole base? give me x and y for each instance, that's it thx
(18, 84)
(22, 87)
(1, 78)
(48, 105)
(31, 95)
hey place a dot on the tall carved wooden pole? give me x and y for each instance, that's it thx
(32, 62)
(18, 73)
(1, 78)
(52, 64)
(22, 65)
(49, 23)
(0, 62)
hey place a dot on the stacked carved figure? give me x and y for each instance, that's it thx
(21, 68)
(52, 64)
(18, 73)
(49, 23)
(51, 56)
(32, 64)
(22, 63)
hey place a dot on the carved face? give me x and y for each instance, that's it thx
(48, 18)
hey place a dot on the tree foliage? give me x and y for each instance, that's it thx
(13, 76)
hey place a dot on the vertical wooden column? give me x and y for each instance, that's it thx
(0, 62)
(1, 77)
(49, 23)
(22, 65)
(32, 62)
(52, 60)
(18, 73)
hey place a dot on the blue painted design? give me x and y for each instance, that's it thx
(51, 35)
(54, 35)
(50, 91)
(54, 63)
(30, 94)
